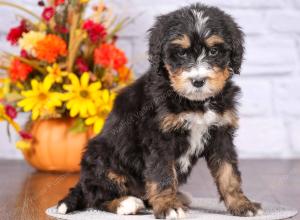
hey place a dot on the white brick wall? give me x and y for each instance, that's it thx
(270, 105)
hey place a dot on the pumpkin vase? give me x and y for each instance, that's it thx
(55, 147)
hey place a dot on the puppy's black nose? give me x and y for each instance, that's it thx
(198, 83)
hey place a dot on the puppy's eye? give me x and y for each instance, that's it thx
(213, 51)
(182, 53)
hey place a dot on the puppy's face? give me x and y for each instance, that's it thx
(198, 65)
(200, 48)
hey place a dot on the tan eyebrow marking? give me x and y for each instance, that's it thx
(183, 41)
(214, 39)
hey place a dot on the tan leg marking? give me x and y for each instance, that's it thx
(231, 118)
(164, 202)
(120, 180)
(229, 186)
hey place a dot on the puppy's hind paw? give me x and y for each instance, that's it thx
(62, 208)
(130, 206)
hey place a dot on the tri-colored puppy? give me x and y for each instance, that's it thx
(182, 109)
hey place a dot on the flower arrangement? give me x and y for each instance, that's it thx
(68, 66)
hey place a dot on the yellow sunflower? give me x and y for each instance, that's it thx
(4, 87)
(1, 93)
(81, 96)
(23, 145)
(39, 99)
(104, 106)
(2, 112)
(55, 73)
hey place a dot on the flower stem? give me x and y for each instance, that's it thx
(33, 64)
(4, 67)
(72, 44)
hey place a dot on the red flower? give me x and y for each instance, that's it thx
(19, 70)
(25, 135)
(50, 48)
(48, 13)
(24, 53)
(95, 31)
(61, 29)
(81, 65)
(11, 111)
(15, 33)
(107, 55)
(58, 2)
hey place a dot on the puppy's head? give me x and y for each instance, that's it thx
(199, 47)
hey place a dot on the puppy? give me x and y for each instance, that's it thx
(182, 109)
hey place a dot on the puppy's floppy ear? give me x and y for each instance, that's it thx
(156, 42)
(237, 53)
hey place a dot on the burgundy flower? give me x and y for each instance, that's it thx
(95, 31)
(114, 39)
(24, 53)
(81, 65)
(61, 29)
(11, 111)
(25, 135)
(41, 3)
(15, 33)
(48, 13)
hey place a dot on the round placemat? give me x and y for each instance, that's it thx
(201, 208)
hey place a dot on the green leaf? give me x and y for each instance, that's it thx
(78, 126)
(8, 132)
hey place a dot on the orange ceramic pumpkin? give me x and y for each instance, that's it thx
(55, 147)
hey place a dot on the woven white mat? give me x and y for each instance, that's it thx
(201, 208)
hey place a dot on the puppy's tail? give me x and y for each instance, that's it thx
(73, 201)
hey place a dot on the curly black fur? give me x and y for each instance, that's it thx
(134, 156)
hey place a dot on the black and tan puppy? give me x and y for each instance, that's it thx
(182, 109)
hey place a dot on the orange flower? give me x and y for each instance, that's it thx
(107, 55)
(124, 73)
(19, 70)
(49, 48)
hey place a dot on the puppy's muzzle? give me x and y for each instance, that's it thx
(198, 83)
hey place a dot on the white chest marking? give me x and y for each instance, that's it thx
(198, 125)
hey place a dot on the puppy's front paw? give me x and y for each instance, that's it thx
(175, 214)
(170, 213)
(245, 208)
